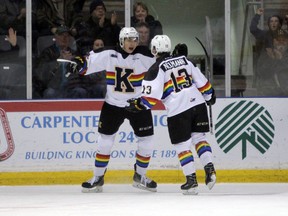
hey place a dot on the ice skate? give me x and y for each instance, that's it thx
(144, 183)
(210, 178)
(191, 185)
(94, 185)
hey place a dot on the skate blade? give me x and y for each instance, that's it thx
(97, 189)
(191, 191)
(211, 184)
(139, 186)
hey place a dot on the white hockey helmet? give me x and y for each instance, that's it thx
(127, 32)
(160, 44)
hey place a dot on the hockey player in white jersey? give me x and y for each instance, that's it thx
(184, 91)
(125, 68)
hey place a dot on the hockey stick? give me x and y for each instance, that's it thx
(66, 61)
(208, 71)
(210, 62)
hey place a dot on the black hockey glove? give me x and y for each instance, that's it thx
(135, 105)
(80, 66)
(180, 49)
(212, 101)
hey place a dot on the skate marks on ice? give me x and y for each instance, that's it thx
(220, 189)
(120, 200)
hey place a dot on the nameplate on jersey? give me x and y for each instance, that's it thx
(173, 63)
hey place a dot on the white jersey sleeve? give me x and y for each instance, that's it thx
(152, 90)
(97, 61)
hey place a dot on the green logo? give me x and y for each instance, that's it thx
(244, 123)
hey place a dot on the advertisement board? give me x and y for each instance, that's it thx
(43, 136)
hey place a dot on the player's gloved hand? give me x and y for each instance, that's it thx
(81, 65)
(135, 105)
(212, 101)
(180, 49)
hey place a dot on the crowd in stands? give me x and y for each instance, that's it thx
(271, 55)
(69, 30)
(141, 15)
(62, 30)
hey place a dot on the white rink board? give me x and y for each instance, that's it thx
(49, 140)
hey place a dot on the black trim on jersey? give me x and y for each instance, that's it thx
(154, 69)
(122, 52)
(173, 63)
(139, 49)
(144, 50)
(152, 72)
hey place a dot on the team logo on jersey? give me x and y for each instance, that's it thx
(7, 146)
(244, 123)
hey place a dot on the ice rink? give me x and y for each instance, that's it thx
(124, 200)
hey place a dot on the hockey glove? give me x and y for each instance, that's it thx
(81, 65)
(180, 49)
(135, 105)
(212, 101)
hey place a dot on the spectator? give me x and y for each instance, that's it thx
(100, 77)
(265, 36)
(10, 55)
(144, 33)
(73, 14)
(279, 50)
(13, 53)
(49, 75)
(94, 84)
(97, 25)
(52, 79)
(47, 18)
(90, 86)
(71, 11)
(97, 44)
(141, 14)
(13, 15)
(279, 54)
(265, 69)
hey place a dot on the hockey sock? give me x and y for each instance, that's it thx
(204, 152)
(101, 162)
(104, 146)
(145, 148)
(202, 148)
(185, 157)
(186, 160)
(142, 164)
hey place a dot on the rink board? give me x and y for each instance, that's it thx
(126, 176)
(54, 142)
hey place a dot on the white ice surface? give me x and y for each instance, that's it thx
(124, 200)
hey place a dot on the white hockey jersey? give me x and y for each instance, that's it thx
(177, 83)
(124, 73)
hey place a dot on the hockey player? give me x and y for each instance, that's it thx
(183, 89)
(125, 67)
